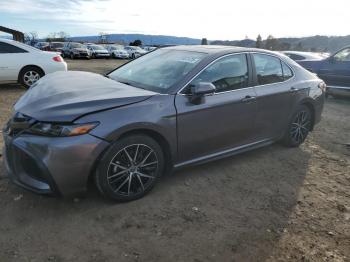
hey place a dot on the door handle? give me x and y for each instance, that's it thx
(248, 98)
(293, 89)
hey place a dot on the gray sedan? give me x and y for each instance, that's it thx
(174, 107)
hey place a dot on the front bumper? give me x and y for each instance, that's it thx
(102, 55)
(124, 56)
(52, 165)
(81, 54)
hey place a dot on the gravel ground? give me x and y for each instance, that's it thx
(271, 204)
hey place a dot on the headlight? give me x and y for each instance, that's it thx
(51, 129)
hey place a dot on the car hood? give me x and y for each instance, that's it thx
(80, 49)
(65, 96)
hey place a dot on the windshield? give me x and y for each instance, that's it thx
(159, 70)
(57, 45)
(77, 45)
(117, 47)
(97, 47)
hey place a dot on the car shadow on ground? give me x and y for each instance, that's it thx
(231, 209)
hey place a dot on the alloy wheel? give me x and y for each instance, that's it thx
(30, 77)
(132, 170)
(300, 126)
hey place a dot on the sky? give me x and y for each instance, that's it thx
(215, 20)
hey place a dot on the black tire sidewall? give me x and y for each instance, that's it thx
(102, 168)
(288, 140)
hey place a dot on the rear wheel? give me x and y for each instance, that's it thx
(29, 75)
(130, 168)
(299, 127)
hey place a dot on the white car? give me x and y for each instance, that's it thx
(97, 51)
(135, 51)
(117, 51)
(25, 64)
(149, 48)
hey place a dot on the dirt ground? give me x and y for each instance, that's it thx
(271, 204)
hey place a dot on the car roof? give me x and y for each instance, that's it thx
(7, 40)
(217, 49)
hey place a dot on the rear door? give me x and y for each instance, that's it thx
(11, 59)
(335, 71)
(275, 95)
(223, 120)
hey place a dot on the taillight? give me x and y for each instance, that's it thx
(322, 86)
(57, 58)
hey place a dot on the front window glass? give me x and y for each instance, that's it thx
(343, 55)
(57, 45)
(159, 70)
(97, 47)
(228, 73)
(77, 45)
(268, 69)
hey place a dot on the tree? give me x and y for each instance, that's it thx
(299, 47)
(102, 38)
(204, 41)
(57, 36)
(137, 42)
(259, 43)
(271, 43)
(62, 35)
(31, 37)
(284, 46)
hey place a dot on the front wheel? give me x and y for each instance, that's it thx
(130, 168)
(299, 127)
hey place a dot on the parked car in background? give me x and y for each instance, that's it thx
(149, 48)
(300, 56)
(75, 50)
(55, 47)
(41, 45)
(334, 70)
(25, 64)
(171, 108)
(117, 51)
(135, 51)
(98, 51)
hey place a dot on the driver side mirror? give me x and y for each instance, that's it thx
(201, 89)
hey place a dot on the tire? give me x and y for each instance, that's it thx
(71, 56)
(299, 127)
(133, 56)
(29, 75)
(113, 56)
(130, 168)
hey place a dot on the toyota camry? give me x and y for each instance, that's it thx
(171, 108)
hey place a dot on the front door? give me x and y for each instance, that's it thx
(221, 121)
